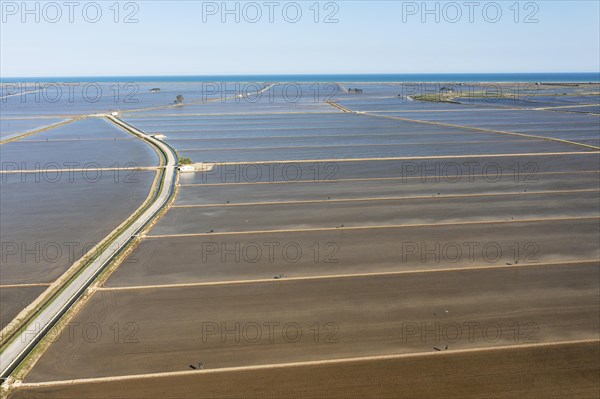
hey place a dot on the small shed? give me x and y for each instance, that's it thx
(187, 168)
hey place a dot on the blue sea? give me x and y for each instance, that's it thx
(581, 77)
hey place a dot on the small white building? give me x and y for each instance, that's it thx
(187, 168)
(114, 113)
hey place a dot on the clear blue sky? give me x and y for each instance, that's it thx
(171, 38)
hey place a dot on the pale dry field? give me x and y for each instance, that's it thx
(557, 371)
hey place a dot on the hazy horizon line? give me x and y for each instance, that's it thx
(305, 74)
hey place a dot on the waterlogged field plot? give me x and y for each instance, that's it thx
(88, 143)
(252, 98)
(232, 107)
(322, 235)
(246, 126)
(361, 151)
(48, 222)
(314, 137)
(362, 213)
(413, 186)
(14, 127)
(86, 129)
(210, 258)
(334, 142)
(15, 299)
(427, 170)
(397, 104)
(552, 124)
(547, 124)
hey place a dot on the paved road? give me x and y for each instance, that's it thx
(23, 343)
